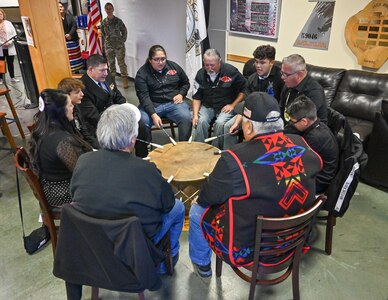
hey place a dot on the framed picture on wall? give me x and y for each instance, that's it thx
(255, 17)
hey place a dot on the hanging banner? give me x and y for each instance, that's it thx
(316, 32)
(195, 33)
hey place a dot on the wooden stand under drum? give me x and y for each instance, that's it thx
(187, 163)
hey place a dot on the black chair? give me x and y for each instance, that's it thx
(110, 254)
(272, 238)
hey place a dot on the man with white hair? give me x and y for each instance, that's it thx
(220, 87)
(271, 174)
(112, 183)
(298, 82)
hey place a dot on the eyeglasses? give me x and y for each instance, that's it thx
(297, 121)
(159, 59)
(286, 75)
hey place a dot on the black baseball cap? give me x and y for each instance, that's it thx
(257, 106)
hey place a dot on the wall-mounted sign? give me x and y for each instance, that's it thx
(259, 18)
(316, 32)
(366, 34)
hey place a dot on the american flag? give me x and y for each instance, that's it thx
(94, 18)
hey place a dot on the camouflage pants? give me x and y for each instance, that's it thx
(116, 52)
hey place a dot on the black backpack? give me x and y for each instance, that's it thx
(351, 162)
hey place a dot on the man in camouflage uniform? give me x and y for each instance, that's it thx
(115, 34)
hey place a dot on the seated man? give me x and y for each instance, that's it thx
(303, 116)
(298, 82)
(271, 174)
(267, 78)
(112, 183)
(220, 86)
(73, 87)
(100, 92)
(161, 86)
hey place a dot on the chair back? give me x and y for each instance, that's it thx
(49, 214)
(116, 253)
(278, 248)
(281, 237)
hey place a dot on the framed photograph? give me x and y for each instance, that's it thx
(255, 17)
(28, 30)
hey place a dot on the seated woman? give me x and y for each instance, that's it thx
(161, 86)
(55, 145)
(73, 87)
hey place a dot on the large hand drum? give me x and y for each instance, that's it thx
(187, 163)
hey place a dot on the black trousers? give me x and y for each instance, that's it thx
(9, 59)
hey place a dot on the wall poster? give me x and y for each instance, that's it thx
(255, 17)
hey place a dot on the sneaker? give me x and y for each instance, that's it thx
(203, 271)
(14, 80)
(1, 81)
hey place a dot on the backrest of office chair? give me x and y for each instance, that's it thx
(22, 163)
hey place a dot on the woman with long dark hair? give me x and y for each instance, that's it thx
(55, 145)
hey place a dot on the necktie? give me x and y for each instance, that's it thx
(102, 87)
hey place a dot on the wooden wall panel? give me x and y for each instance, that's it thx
(49, 55)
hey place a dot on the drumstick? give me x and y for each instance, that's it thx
(192, 133)
(171, 139)
(217, 152)
(152, 144)
(172, 176)
(215, 137)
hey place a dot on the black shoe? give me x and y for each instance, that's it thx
(203, 271)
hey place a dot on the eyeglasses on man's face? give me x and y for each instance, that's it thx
(286, 75)
(296, 121)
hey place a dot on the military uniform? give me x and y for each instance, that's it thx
(115, 34)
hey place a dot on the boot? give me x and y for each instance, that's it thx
(125, 82)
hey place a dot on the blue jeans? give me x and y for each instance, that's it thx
(206, 115)
(229, 140)
(173, 221)
(199, 250)
(178, 113)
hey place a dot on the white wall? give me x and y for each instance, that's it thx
(151, 22)
(294, 14)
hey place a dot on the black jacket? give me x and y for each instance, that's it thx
(321, 140)
(153, 88)
(274, 81)
(70, 27)
(83, 128)
(115, 184)
(310, 88)
(224, 90)
(110, 254)
(96, 100)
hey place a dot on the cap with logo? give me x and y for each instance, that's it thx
(257, 106)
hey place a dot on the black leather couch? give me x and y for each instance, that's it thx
(362, 97)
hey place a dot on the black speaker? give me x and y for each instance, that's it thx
(27, 72)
